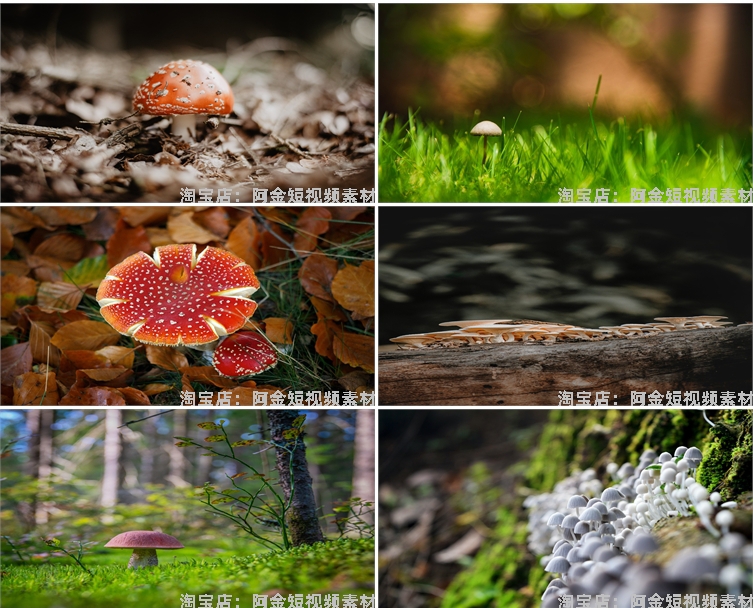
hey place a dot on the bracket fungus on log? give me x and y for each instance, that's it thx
(144, 544)
(178, 297)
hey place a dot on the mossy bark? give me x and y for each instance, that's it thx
(302, 518)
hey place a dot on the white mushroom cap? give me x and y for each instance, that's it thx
(486, 127)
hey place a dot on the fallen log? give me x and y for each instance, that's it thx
(530, 373)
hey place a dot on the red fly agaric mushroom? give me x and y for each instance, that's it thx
(182, 89)
(177, 297)
(244, 354)
(144, 544)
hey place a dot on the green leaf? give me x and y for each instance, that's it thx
(182, 438)
(291, 433)
(243, 442)
(183, 444)
(215, 438)
(217, 501)
(298, 422)
(89, 271)
(208, 426)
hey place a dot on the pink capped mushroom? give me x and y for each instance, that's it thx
(182, 89)
(177, 297)
(244, 354)
(144, 544)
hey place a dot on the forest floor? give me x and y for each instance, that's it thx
(343, 567)
(294, 124)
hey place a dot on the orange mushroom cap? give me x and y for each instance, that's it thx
(184, 87)
(177, 297)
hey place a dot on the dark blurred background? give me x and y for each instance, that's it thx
(656, 59)
(585, 266)
(116, 27)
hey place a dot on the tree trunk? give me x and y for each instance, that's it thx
(112, 451)
(39, 466)
(302, 518)
(534, 374)
(364, 459)
(177, 475)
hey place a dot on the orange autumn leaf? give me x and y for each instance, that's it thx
(215, 220)
(134, 396)
(48, 268)
(274, 246)
(328, 310)
(183, 229)
(35, 389)
(6, 241)
(125, 242)
(353, 349)
(85, 335)
(113, 376)
(156, 388)
(165, 357)
(72, 360)
(16, 292)
(118, 355)
(143, 216)
(42, 350)
(245, 242)
(324, 332)
(60, 216)
(206, 375)
(59, 295)
(316, 275)
(313, 222)
(279, 330)
(349, 212)
(14, 360)
(93, 395)
(353, 288)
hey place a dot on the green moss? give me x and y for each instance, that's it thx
(726, 466)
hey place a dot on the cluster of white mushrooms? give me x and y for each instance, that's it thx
(497, 331)
(595, 539)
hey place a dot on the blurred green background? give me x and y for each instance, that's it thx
(487, 60)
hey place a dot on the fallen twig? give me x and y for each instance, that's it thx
(34, 131)
(291, 145)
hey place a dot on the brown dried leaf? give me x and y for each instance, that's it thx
(19, 219)
(214, 219)
(6, 241)
(41, 348)
(328, 310)
(14, 360)
(156, 388)
(126, 241)
(61, 216)
(103, 226)
(48, 269)
(316, 275)
(244, 241)
(85, 335)
(118, 355)
(65, 246)
(274, 246)
(17, 267)
(279, 330)
(144, 216)
(35, 389)
(165, 357)
(183, 229)
(60, 295)
(134, 396)
(324, 332)
(353, 288)
(354, 349)
(207, 375)
(347, 212)
(83, 359)
(93, 395)
(16, 292)
(313, 222)
(103, 374)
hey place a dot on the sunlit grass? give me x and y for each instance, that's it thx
(419, 162)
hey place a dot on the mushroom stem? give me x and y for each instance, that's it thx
(483, 161)
(143, 558)
(185, 126)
